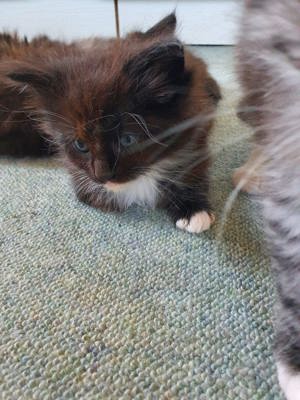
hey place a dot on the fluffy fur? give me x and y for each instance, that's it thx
(20, 133)
(269, 49)
(130, 117)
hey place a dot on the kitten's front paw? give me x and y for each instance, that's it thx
(289, 382)
(199, 222)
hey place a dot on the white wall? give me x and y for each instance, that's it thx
(201, 21)
(68, 19)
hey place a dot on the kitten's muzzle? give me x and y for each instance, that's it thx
(104, 178)
(101, 172)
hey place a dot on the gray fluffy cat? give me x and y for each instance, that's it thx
(269, 67)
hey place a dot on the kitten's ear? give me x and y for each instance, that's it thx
(158, 73)
(42, 80)
(166, 26)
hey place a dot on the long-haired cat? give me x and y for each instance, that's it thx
(130, 118)
(269, 49)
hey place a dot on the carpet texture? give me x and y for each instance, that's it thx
(104, 306)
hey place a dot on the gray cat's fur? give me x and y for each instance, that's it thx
(269, 66)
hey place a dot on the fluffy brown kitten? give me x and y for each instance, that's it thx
(269, 48)
(130, 118)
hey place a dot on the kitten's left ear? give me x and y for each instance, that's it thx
(166, 26)
(157, 75)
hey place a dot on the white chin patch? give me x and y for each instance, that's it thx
(142, 191)
(199, 222)
(115, 187)
(289, 382)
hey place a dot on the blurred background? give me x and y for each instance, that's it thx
(203, 22)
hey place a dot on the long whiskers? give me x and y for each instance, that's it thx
(142, 123)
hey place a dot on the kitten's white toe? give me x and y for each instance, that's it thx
(289, 382)
(199, 222)
(182, 223)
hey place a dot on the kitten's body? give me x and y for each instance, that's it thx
(270, 48)
(101, 95)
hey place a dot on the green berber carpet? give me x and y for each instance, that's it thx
(104, 306)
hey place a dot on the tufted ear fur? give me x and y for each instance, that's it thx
(163, 29)
(157, 75)
(42, 80)
(166, 26)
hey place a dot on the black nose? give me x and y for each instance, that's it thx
(100, 171)
(105, 178)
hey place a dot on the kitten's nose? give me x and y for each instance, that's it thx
(101, 174)
(106, 178)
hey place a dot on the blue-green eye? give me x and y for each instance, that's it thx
(80, 146)
(127, 140)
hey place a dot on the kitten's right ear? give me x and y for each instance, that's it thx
(166, 26)
(43, 81)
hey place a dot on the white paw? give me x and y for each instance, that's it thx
(289, 382)
(199, 222)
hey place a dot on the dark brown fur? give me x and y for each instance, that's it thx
(20, 134)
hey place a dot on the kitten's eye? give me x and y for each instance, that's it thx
(127, 140)
(80, 146)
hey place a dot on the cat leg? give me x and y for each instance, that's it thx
(287, 329)
(289, 381)
(197, 223)
(23, 141)
(248, 175)
(189, 206)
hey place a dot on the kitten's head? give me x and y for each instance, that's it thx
(106, 104)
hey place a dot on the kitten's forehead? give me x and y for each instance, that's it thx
(99, 78)
(103, 85)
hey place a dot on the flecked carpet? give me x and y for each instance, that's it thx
(99, 306)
